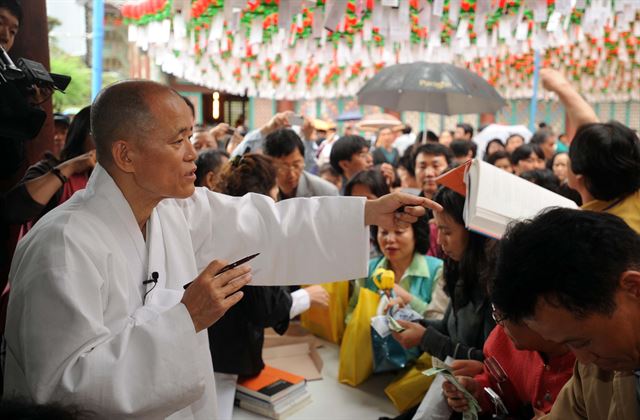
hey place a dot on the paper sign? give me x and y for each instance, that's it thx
(284, 14)
(255, 34)
(522, 31)
(425, 13)
(318, 23)
(438, 6)
(217, 28)
(367, 30)
(454, 11)
(554, 22)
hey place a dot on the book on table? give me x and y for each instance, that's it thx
(279, 410)
(494, 198)
(271, 384)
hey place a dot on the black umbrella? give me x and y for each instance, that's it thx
(430, 87)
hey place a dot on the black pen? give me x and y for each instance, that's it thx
(231, 266)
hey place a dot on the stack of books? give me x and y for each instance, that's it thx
(274, 393)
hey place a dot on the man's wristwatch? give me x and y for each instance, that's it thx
(56, 171)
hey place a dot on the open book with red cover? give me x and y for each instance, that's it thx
(271, 384)
(494, 198)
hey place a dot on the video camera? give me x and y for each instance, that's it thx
(28, 73)
(18, 118)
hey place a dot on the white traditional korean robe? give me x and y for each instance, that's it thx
(77, 330)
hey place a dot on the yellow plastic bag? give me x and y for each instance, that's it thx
(328, 323)
(410, 386)
(356, 355)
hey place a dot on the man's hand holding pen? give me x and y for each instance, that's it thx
(210, 295)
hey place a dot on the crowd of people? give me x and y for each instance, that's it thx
(120, 301)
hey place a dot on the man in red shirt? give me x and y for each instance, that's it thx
(529, 373)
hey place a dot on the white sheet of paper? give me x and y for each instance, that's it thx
(522, 31)
(438, 6)
(554, 22)
(255, 34)
(217, 28)
(454, 11)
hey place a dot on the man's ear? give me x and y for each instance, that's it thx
(122, 154)
(630, 283)
(344, 165)
(209, 181)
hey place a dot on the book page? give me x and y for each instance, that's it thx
(501, 197)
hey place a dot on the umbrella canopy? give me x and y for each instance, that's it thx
(374, 122)
(430, 87)
(499, 131)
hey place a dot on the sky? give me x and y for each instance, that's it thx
(71, 35)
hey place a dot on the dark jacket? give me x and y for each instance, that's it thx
(379, 157)
(20, 206)
(461, 333)
(236, 339)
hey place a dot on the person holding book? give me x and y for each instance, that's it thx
(467, 321)
(236, 339)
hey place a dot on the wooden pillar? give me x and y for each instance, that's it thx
(32, 42)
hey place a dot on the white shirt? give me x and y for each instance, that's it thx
(77, 330)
